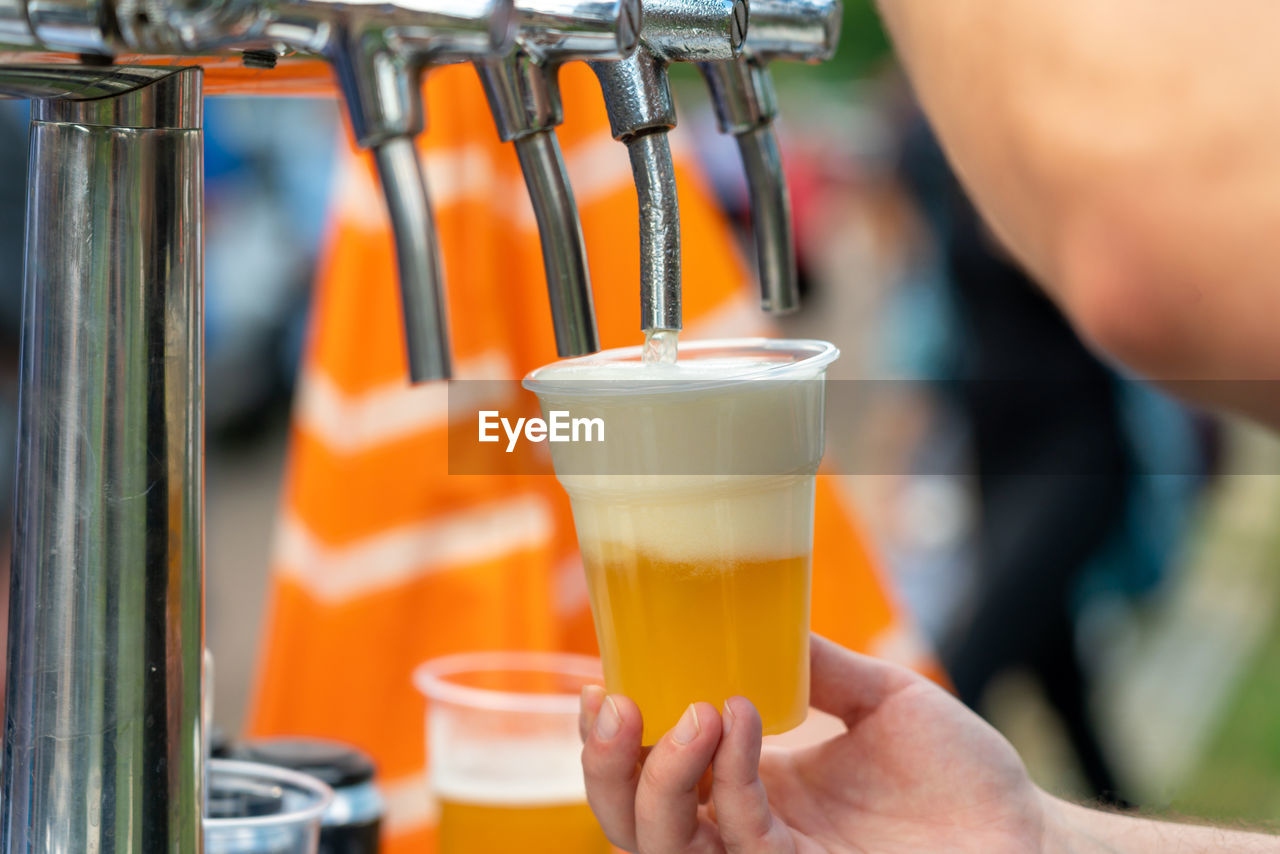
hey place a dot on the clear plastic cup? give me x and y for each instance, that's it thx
(695, 518)
(260, 809)
(504, 752)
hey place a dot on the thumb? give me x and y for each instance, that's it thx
(850, 685)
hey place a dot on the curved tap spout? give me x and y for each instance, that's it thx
(417, 257)
(746, 105)
(563, 248)
(637, 96)
(379, 63)
(379, 49)
(770, 220)
(524, 96)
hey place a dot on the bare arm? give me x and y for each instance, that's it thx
(1129, 156)
(915, 772)
(1076, 830)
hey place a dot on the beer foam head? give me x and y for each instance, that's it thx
(701, 364)
(509, 772)
(709, 458)
(707, 371)
(715, 522)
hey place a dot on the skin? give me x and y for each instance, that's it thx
(1125, 153)
(914, 773)
(1128, 155)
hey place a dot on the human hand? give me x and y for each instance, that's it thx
(915, 773)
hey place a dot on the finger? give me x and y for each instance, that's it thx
(611, 767)
(747, 824)
(589, 706)
(849, 685)
(667, 798)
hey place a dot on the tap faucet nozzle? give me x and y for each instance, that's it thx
(637, 95)
(379, 54)
(746, 106)
(523, 90)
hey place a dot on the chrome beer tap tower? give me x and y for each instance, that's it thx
(103, 736)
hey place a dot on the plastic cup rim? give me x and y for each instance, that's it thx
(821, 355)
(430, 678)
(274, 774)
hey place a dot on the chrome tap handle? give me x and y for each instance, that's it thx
(637, 95)
(770, 220)
(381, 89)
(564, 250)
(523, 84)
(794, 30)
(746, 105)
(524, 96)
(417, 258)
(379, 59)
(378, 49)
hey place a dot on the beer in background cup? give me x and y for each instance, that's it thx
(503, 752)
(695, 519)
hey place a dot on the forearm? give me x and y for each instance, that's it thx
(1126, 154)
(1073, 829)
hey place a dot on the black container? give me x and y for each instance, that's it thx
(352, 822)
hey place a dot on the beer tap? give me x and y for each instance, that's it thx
(746, 105)
(379, 51)
(379, 64)
(637, 95)
(524, 96)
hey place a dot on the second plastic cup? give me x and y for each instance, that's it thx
(503, 748)
(695, 518)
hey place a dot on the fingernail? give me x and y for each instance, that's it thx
(608, 722)
(688, 727)
(728, 717)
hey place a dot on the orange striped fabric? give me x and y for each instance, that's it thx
(383, 560)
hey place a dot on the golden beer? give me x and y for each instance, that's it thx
(713, 602)
(695, 519)
(485, 828)
(504, 752)
(518, 793)
(663, 624)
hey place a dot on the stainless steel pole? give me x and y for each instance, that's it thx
(103, 734)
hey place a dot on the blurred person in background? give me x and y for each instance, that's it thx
(1126, 156)
(1064, 451)
(1134, 186)
(1066, 513)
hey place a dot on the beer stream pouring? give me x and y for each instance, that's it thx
(103, 697)
(746, 105)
